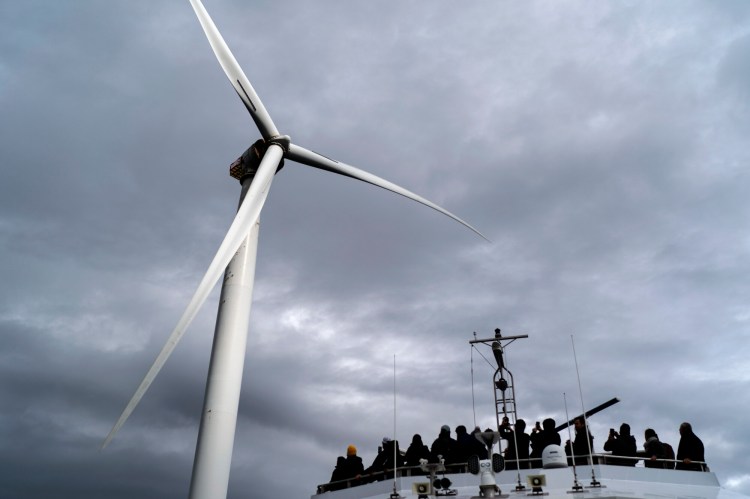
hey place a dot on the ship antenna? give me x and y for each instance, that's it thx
(594, 481)
(394, 494)
(576, 486)
(473, 402)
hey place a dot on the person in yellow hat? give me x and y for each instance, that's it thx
(353, 467)
(347, 468)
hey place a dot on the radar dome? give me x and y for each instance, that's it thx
(553, 456)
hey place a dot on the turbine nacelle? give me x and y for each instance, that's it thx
(247, 164)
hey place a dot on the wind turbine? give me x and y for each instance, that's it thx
(255, 169)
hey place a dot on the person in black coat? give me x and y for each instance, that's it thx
(354, 466)
(338, 474)
(517, 438)
(541, 438)
(690, 449)
(416, 451)
(581, 448)
(349, 467)
(653, 450)
(443, 446)
(383, 463)
(622, 444)
(464, 445)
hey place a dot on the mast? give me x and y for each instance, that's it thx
(505, 393)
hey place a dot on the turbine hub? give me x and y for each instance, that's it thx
(283, 141)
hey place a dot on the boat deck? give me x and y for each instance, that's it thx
(616, 482)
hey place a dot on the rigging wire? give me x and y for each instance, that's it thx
(473, 402)
(485, 358)
(576, 485)
(594, 482)
(395, 441)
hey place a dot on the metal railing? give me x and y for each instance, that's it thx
(387, 474)
(534, 463)
(669, 464)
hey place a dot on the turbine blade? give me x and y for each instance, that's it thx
(310, 158)
(234, 72)
(246, 217)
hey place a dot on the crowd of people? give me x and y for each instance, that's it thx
(655, 454)
(522, 449)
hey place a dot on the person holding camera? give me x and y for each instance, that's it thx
(621, 444)
(542, 436)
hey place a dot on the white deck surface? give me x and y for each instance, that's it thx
(616, 481)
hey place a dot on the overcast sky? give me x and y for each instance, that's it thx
(600, 146)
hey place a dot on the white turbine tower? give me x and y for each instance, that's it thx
(255, 169)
